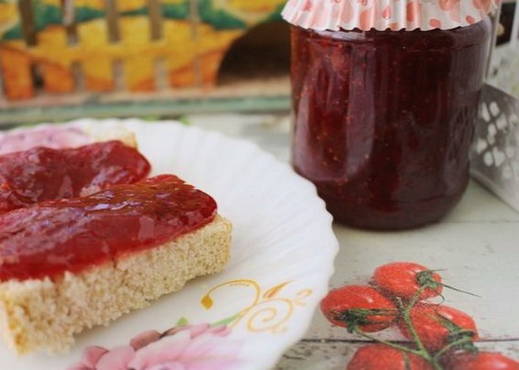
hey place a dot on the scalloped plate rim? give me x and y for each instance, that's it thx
(325, 272)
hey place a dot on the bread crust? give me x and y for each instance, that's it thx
(107, 132)
(46, 314)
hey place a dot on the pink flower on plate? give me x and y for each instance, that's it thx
(98, 358)
(195, 347)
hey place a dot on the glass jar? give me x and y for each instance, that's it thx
(384, 119)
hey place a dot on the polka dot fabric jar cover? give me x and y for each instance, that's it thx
(386, 14)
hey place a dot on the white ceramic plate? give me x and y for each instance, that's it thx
(282, 259)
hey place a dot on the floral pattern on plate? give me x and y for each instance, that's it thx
(202, 346)
(193, 347)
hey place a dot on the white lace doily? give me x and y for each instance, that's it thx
(495, 154)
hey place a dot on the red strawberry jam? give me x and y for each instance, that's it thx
(41, 174)
(384, 120)
(73, 234)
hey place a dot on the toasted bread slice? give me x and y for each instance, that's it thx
(107, 132)
(46, 314)
(64, 136)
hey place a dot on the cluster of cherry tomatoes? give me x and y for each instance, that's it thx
(440, 337)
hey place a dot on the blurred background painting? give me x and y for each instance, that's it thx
(62, 59)
(102, 53)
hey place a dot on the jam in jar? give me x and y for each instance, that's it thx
(384, 119)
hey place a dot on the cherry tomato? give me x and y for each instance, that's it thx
(481, 361)
(361, 306)
(380, 356)
(436, 325)
(403, 279)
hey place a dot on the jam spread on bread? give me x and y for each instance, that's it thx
(42, 174)
(52, 237)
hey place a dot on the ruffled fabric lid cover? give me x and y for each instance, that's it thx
(382, 15)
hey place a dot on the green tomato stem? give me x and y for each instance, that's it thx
(406, 316)
(425, 355)
(421, 351)
(460, 290)
(449, 346)
(387, 343)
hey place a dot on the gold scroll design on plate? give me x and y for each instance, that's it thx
(269, 310)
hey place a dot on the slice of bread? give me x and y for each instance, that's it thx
(46, 314)
(64, 136)
(107, 132)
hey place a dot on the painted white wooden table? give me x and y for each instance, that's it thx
(477, 244)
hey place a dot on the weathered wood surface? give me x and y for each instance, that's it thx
(477, 244)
